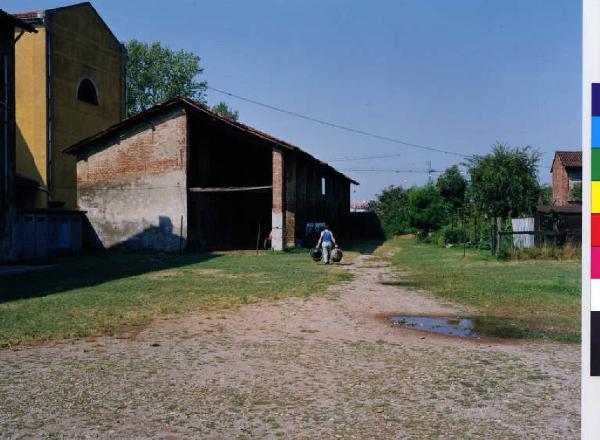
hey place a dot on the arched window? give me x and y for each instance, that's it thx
(87, 92)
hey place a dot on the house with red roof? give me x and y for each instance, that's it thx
(566, 174)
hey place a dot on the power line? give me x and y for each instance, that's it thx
(338, 126)
(391, 171)
(351, 158)
(349, 129)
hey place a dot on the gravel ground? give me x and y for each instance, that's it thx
(323, 367)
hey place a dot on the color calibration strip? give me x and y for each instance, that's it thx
(595, 227)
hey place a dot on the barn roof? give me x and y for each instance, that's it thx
(194, 106)
(569, 159)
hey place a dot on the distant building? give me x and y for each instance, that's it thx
(563, 217)
(360, 206)
(9, 27)
(566, 173)
(70, 84)
(181, 176)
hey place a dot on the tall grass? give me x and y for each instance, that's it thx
(569, 251)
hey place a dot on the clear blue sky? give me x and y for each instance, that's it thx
(459, 74)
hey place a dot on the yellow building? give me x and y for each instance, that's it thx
(70, 84)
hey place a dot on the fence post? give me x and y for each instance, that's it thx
(494, 236)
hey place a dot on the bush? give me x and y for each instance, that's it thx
(426, 208)
(390, 207)
(451, 235)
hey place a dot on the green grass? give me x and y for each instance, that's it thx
(113, 292)
(544, 296)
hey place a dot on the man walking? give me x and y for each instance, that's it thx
(327, 241)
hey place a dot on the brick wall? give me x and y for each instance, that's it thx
(134, 188)
(560, 184)
(278, 200)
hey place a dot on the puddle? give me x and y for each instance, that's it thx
(463, 327)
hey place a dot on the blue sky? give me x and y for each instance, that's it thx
(459, 75)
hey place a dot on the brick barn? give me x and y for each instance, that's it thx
(566, 172)
(181, 176)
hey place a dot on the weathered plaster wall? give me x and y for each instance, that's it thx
(134, 189)
(31, 111)
(81, 47)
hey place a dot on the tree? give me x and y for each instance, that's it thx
(504, 183)
(545, 195)
(452, 187)
(426, 209)
(391, 209)
(224, 110)
(155, 74)
(575, 193)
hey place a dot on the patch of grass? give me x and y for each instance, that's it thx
(498, 327)
(541, 297)
(108, 292)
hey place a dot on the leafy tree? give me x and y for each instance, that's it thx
(452, 187)
(426, 208)
(224, 110)
(156, 73)
(391, 209)
(575, 193)
(545, 195)
(504, 183)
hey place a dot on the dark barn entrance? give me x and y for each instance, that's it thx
(229, 187)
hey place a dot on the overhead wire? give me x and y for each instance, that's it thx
(338, 126)
(349, 129)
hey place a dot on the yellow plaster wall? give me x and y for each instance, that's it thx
(31, 111)
(81, 47)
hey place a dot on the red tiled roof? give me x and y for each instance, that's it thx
(569, 158)
(28, 15)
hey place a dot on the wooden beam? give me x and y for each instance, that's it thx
(230, 189)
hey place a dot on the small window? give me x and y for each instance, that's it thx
(87, 92)
(323, 186)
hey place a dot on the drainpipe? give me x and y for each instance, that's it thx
(124, 62)
(49, 107)
(6, 126)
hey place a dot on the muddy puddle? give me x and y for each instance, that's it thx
(465, 327)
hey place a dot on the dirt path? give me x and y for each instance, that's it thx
(324, 367)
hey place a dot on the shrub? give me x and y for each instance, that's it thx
(391, 209)
(451, 235)
(426, 208)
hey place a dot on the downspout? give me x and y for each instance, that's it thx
(49, 108)
(5, 105)
(125, 61)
